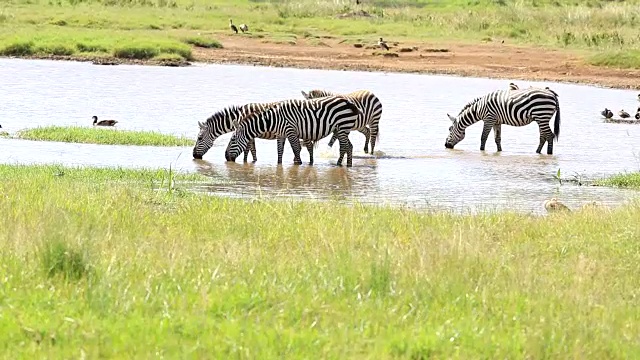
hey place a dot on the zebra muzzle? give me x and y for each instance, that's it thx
(448, 146)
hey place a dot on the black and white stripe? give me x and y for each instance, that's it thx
(311, 120)
(509, 107)
(222, 122)
(368, 122)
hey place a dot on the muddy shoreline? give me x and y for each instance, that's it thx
(487, 60)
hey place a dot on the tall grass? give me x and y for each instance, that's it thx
(162, 24)
(627, 180)
(139, 271)
(107, 136)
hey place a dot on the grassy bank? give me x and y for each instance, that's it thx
(627, 180)
(113, 269)
(106, 136)
(144, 29)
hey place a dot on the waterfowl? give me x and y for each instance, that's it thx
(383, 44)
(608, 114)
(244, 28)
(103, 122)
(623, 114)
(554, 205)
(232, 27)
(513, 86)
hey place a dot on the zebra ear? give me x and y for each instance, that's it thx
(201, 125)
(306, 96)
(451, 118)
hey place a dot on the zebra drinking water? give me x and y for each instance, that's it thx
(367, 123)
(221, 123)
(510, 107)
(311, 119)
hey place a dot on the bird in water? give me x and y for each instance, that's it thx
(103, 122)
(623, 114)
(554, 205)
(383, 44)
(608, 114)
(244, 28)
(232, 27)
(513, 86)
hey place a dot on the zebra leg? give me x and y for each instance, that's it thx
(333, 139)
(485, 134)
(345, 147)
(280, 149)
(295, 146)
(497, 129)
(545, 136)
(246, 153)
(309, 144)
(367, 134)
(253, 150)
(373, 135)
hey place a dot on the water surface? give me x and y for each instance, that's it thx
(416, 170)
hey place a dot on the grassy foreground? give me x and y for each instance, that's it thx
(94, 262)
(144, 29)
(106, 136)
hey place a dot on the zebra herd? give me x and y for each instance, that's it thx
(321, 113)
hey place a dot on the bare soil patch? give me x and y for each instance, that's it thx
(492, 60)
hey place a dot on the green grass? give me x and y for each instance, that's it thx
(627, 180)
(98, 135)
(202, 42)
(629, 59)
(145, 28)
(117, 269)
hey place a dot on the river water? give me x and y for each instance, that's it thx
(414, 169)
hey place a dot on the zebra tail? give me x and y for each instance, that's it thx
(353, 107)
(556, 125)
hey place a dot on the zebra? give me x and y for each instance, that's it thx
(510, 107)
(311, 119)
(370, 107)
(221, 123)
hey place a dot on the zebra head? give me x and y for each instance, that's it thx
(204, 141)
(456, 134)
(238, 143)
(315, 94)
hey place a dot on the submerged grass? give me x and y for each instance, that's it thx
(143, 29)
(99, 135)
(87, 261)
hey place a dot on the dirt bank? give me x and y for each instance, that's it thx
(493, 60)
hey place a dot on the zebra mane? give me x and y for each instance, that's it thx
(469, 104)
(316, 93)
(222, 113)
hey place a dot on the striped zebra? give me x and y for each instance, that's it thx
(370, 107)
(510, 107)
(221, 123)
(311, 119)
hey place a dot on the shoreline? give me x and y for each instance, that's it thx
(483, 60)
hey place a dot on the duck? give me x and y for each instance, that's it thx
(232, 27)
(244, 28)
(608, 114)
(554, 205)
(513, 86)
(383, 44)
(103, 122)
(623, 114)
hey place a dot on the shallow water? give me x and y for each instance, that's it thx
(416, 170)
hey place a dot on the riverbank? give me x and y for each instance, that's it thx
(122, 263)
(489, 60)
(494, 39)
